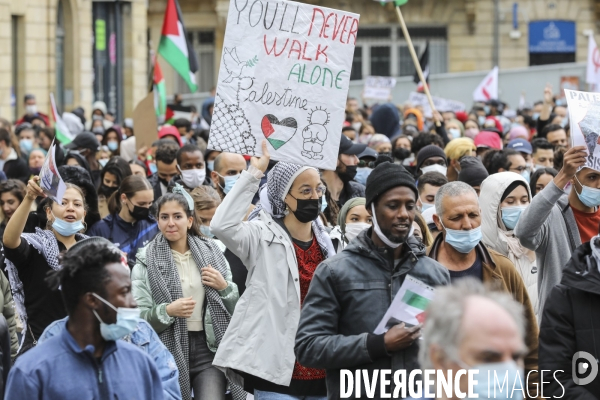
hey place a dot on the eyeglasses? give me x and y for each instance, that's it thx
(363, 164)
(519, 169)
(308, 192)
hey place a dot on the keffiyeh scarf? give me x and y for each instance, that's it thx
(165, 286)
(46, 244)
(279, 182)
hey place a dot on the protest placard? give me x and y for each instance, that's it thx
(408, 305)
(284, 77)
(144, 122)
(584, 116)
(50, 180)
(379, 87)
(441, 104)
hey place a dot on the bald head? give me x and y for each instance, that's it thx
(229, 162)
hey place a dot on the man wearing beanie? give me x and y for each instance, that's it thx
(472, 172)
(431, 158)
(351, 292)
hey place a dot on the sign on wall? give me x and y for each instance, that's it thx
(552, 36)
(284, 77)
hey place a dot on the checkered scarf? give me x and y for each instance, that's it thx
(166, 288)
(46, 244)
(279, 182)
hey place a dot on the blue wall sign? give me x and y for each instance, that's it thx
(552, 36)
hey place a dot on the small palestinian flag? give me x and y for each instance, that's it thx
(397, 3)
(278, 132)
(160, 93)
(62, 130)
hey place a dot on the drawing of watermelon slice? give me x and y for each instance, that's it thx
(278, 132)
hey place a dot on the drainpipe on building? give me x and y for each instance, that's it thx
(496, 46)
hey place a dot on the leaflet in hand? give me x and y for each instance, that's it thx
(50, 180)
(408, 306)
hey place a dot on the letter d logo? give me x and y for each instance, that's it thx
(577, 370)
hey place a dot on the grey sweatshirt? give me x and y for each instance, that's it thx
(549, 228)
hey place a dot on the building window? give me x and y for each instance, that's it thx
(203, 43)
(383, 51)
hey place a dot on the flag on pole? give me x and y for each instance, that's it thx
(397, 3)
(593, 62)
(160, 93)
(174, 46)
(424, 62)
(62, 131)
(488, 88)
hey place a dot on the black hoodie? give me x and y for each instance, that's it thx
(571, 315)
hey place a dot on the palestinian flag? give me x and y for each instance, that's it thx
(160, 93)
(175, 48)
(174, 112)
(416, 304)
(397, 3)
(62, 131)
(278, 132)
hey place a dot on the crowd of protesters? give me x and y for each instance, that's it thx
(181, 272)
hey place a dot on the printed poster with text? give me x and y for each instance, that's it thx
(584, 116)
(284, 77)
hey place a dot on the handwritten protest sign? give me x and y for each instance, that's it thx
(584, 116)
(284, 77)
(50, 180)
(441, 104)
(379, 87)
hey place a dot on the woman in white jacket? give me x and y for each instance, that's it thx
(281, 245)
(503, 198)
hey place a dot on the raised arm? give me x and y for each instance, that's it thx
(16, 224)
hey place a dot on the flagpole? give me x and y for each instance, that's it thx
(415, 59)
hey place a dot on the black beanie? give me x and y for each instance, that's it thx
(386, 176)
(429, 151)
(472, 172)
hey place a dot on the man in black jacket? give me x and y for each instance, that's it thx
(571, 314)
(351, 292)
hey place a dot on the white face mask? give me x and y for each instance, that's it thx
(436, 168)
(31, 109)
(354, 228)
(193, 178)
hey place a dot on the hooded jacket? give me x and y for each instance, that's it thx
(348, 297)
(386, 120)
(498, 238)
(570, 317)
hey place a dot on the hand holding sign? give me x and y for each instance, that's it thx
(33, 189)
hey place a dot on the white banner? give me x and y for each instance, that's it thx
(584, 116)
(284, 76)
(50, 180)
(419, 99)
(379, 87)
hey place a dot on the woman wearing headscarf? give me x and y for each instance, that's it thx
(182, 285)
(282, 244)
(352, 220)
(503, 198)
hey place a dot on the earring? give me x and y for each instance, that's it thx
(84, 226)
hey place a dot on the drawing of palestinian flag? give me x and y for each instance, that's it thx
(175, 47)
(416, 304)
(160, 93)
(62, 131)
(278, 132)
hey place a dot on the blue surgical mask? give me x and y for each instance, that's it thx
(487, 110)
(490, 387)
(455, 132)
(463, 241)
(525, 174)
(211, 165)
(323, 203)
(184, 140)
(535, 116)
(510, 216)
(229, 182)
(205, 230)
(65, 228)
(564, 122)
(425, 206)
(103, 162)
(481, 120)
(153, 168)
(362, 174)
(127, 321)
(26, 145)
(589, 196)
(113, 145)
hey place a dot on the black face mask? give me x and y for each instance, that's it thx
(107, 191)
(307, 210)
(349, 174)
(401, 153)
(138, 213)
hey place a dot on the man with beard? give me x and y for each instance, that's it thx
(341, 183)
(351, 292)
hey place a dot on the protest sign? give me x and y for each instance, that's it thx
(379, 87)
(408, 306)
(284, 77)
(144, 122)
(50, 180)
(584, 116)
(419, 99)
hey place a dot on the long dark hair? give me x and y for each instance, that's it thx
(129, 187)
(179, 199)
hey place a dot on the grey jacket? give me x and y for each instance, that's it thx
(549, 228)
(348, 297)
